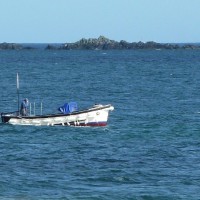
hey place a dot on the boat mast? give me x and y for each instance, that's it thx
(18, 91)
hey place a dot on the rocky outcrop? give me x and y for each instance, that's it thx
(11, 46)
(91, 44)
(103, 43)
(51, 47)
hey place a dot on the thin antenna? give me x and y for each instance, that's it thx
(18, 91)
(41, 108)
(34, 108)
(30, 110)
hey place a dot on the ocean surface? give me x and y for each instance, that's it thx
(150, 149)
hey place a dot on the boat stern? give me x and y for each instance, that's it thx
(5, 117)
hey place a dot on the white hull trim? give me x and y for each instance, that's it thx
(95, 116)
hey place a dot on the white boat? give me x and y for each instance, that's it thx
(94, 116)
(69, 115)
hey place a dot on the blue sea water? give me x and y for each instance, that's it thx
(150, 149)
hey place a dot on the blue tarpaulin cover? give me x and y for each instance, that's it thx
(68, 107)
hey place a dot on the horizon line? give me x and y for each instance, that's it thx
(94, 38)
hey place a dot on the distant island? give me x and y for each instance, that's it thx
(102, 43)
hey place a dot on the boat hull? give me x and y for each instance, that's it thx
(95, 116)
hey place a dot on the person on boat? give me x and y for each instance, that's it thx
(24, 107)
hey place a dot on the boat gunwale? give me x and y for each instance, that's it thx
(55, 115)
